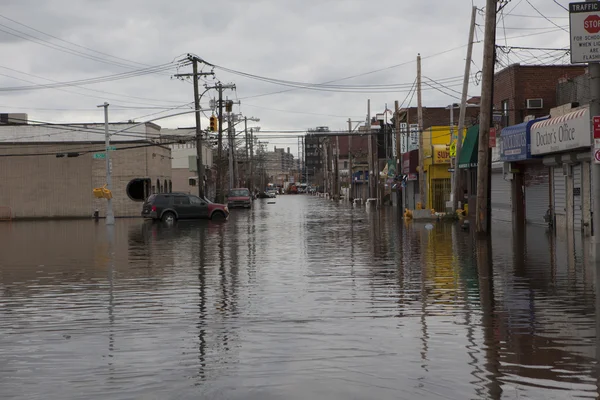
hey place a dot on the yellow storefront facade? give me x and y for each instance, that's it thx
(436, 144)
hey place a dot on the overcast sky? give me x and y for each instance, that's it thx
(304, 41)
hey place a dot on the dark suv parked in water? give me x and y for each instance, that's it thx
(169, 207)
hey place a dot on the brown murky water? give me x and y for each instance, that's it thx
(301, 299)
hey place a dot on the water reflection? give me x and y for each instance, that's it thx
(298, 299)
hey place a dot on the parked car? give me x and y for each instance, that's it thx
(239, 198)
(271, 194)
(170, 207)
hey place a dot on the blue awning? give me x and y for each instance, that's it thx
(516, 141)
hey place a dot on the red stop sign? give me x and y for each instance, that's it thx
(592, 24)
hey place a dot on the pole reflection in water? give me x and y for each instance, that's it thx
(483, 248)
(300, 299)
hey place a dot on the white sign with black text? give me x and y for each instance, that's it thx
(584, 22)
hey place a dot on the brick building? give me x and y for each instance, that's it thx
(523, 185)
(49, 171)
(518, 90)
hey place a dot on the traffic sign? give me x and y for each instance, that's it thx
(596, 156)
(99, 156)
(584, 22)
(453, 149)
(596, 126)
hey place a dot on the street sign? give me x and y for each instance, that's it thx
(450, 169)
(596, 127)
(596, 156)
(492, 137)
(111, 148)
(99, 156)
(453, 149)
(584, 22)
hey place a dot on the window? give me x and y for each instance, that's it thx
(345, 164)
(504, 110)
(181, 200)
(197, 200)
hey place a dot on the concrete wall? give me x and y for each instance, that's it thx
(44, 186)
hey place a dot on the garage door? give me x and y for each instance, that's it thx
(577, 198)
(501, 198)
(560, 191)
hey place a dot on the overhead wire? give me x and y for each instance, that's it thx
(546, 18)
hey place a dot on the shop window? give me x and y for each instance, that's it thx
(504, 110)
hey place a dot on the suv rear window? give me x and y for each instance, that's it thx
(158, 199)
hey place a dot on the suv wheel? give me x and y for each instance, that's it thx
(168, 217)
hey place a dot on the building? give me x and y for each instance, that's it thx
(436, 165)
(50, 170)
(313, 156)
(279, 166)
(183, 161)
(522, 94)
(409, 140)
(520, 181)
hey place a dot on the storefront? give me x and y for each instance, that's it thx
(564, 142)
(529, 189)
(467, 163)
(410, 162)
(438, 178)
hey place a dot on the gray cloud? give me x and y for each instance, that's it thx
(295, 40)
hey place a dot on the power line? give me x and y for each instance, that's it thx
(89, 81)
(71, 43)
(563, 7)
(547, 19)
(84, 88)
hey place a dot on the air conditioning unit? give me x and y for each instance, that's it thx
(535, 104)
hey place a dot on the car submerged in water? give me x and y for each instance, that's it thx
(239, 197)
(170, 207)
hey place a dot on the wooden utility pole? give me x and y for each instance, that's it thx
(247, 149)
(421, 144)
(199, 161)
(370, 150)
(337, 168)
(398, 148)
(220, 195)
(457, 189)
(351, 182)
(252, 160)
(482, 223)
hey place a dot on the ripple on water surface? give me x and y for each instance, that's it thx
(299, 299)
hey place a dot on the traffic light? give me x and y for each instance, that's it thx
(214, 124)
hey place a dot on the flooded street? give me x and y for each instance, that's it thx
(302, 299)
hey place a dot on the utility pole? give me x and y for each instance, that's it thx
(199, 162)
(351, 183)
(247, 144)
(337, 168)
(110, 217)
(594, 70)
(457, 189)
(220, 195)
(482, 223)
(231, 139)
(370, 149)
(421, 144)
(398, 147)
(252, 160)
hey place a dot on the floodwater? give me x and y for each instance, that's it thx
(301, 299)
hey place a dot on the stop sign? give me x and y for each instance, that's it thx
(592, 24)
